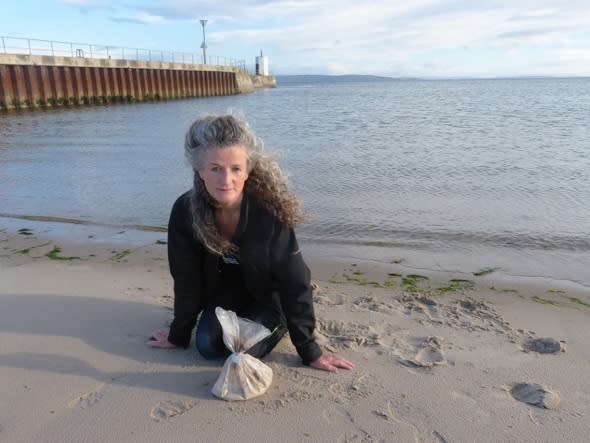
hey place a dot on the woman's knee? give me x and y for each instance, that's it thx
(208, 348)
(209, 336)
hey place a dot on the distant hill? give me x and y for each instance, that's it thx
(292, 79)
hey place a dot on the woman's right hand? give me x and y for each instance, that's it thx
(331, 362)
(159, 339)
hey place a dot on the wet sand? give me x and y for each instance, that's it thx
(440, 357)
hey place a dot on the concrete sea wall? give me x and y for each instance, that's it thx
(32, 81)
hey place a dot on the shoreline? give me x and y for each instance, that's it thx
(325, 261)
(74, 221)
(437, 359)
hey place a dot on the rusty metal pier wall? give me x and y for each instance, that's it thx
(29, 81)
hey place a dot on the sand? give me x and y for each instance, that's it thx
(487, 360)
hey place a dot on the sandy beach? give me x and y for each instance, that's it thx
(439, 357)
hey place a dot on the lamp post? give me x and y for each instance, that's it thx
(204, 44)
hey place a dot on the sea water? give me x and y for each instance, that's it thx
(451, 175)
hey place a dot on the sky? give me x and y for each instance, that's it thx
(410, 38)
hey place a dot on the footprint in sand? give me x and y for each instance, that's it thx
(423, 352)
(536, 395)
(402, 426)
(347, 391)
(545, 345)
(324, 298)
(170, 408)
(421, 305)
(372, 303)
(89, 399)
(340, 335)
(478, 316)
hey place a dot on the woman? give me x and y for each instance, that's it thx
(231, 244)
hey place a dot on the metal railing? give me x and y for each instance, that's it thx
(31, 46)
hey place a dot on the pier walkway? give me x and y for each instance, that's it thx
(29, 81)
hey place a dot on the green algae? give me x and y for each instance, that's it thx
(545, 301)
(118, 256)
(360, 281)
(578, 301)
(456, 285)
(485, 271)
(414, 283)
(389, 283)
(26, 251)
(410, 282)
(54, 254)
(504, 290)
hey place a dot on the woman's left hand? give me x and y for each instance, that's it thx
(331, 362)
(159, 339)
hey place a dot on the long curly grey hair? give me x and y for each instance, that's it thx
(266, 181)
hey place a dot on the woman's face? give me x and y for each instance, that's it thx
(224, 173)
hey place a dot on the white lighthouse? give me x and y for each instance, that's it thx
(261, 64)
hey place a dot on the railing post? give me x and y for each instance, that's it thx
(72, 49)
(52, 53)
(29, 43)
(3, 45)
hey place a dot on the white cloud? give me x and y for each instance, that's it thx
(80, 2)
(86, 5)
(577, 54)
(149, 18)
(347, 35)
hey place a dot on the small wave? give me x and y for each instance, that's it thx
(430, 239)
(73, 221)
(364, 235)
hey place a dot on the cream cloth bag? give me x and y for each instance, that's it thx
(242, 376)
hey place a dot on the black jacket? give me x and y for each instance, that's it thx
(272, 265)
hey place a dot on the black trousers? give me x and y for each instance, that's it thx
(209, 334)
